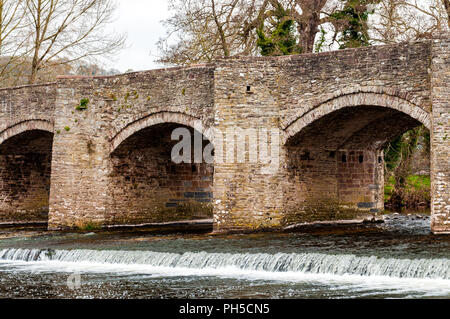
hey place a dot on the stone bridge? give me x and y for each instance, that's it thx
(96, 151)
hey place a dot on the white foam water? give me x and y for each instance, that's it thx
(357, 271)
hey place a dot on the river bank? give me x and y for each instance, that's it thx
(416, 194)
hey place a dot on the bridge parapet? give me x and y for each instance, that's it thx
(26, 103)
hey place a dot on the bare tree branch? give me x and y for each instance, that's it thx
(70, 30)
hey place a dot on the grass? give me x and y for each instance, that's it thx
(415, 193)
(388, 188)
(418, 182)
(89, 226)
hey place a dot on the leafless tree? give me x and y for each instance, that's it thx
(203, 30)
(12, 39)
(67, 31)
(207, 29)
(407, 20)
(447, 9)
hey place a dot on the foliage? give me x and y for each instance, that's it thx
(83, 104)
(204, 30)
(353, 22)
(281, 40)
(401, 186)
(88, 226)
(415, 194)
(392, 153)
(322, 39)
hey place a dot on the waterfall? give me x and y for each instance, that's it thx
(304, 263)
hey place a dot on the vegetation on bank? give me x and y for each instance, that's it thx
(405, 156)
(415, 194)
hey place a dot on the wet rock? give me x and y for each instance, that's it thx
(89, 234)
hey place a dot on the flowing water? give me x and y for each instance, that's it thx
(397, 259)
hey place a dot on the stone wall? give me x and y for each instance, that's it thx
(84, 176)
(245, 98)
(329, 185)
(351, 101)
(360, 181)
(440, 135)
(20, 105)
(26, 135)
(109, 139)
(387, 75)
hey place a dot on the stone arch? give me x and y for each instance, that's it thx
(27, 125)
(334, 153)
(359, 99)
(25, 171)
(158, 118)
(146, 184)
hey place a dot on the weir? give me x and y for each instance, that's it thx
(238, 264)
(99, 148)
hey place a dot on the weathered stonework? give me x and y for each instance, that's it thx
(25, 172)
(95, 151)
(440, 135)
(143, 170)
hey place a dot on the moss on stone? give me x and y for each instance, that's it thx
(83, 104)
(88, 226)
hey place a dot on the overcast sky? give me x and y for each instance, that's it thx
(141, 20)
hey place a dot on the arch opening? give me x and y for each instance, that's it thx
(149, 186)
(25, 169)
(336, 167)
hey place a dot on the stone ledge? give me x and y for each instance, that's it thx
(48, 84)
(161, 70)
(174, 223)
(368, 219)
(22, 223)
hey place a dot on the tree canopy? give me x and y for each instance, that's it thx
(204, 30)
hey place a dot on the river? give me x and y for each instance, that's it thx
(396, 259)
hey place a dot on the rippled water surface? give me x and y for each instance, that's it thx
(397, 259)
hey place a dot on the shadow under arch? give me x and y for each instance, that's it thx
(334, 155)
(357, 99)
(25, 171)
(147, 186)
(23, 126)
(159, 118)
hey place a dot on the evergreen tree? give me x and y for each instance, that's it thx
(281, 40)
(353, 22)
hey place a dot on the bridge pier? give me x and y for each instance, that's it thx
(80, 163)
(440, 135)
